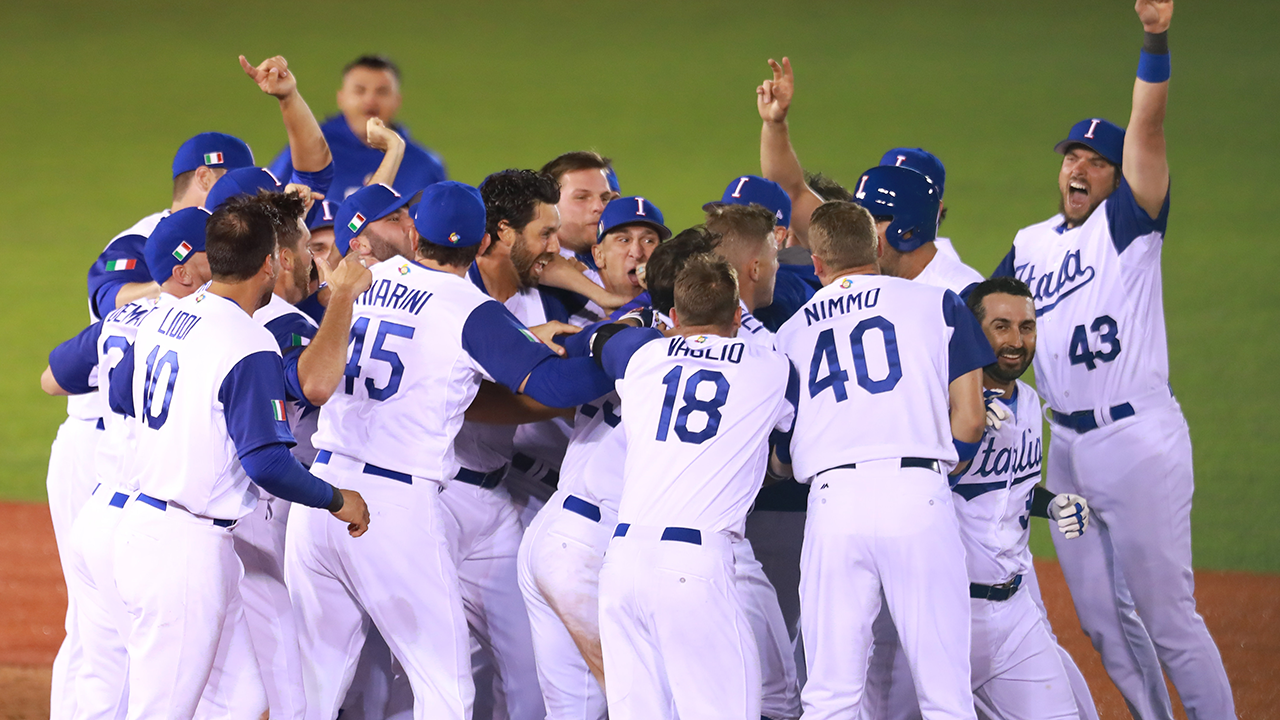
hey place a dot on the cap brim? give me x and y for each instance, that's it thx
(399, 203)
(1062, 148)
(708, 207)
(663, 231)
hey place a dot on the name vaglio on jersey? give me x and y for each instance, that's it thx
(830, 307)
(732, 352)
(1026, 457)
(1072, 275)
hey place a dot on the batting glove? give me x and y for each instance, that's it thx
(1072, 514)
(997, 412)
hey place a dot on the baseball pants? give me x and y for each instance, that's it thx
(398, 576)
(1137, 476)
(70, 481)
(780, 691)
(676, 641)
(883, 533)
(1079, 687)
(1017, 671)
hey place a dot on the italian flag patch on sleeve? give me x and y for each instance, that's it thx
(277, 409)
(121, 264)
(296, 340)
(529, 335)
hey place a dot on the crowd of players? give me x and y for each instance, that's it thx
(444, 370)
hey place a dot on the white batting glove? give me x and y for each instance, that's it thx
(997, 413)
(1072, 514)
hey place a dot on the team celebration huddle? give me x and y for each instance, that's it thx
(348, 439)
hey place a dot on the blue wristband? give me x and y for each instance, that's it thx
(1153, 68)
(965, 450)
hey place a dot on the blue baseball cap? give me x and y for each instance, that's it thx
(753, 189)
(322, 214)
(920, 160)
(244, 181)
(611, 176)
(450, 214)
(212, 149)
(631, 210)
(368, 204)
(174, 241)
(1101, 136)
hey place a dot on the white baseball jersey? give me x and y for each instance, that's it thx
(116, 451)
(206, 387)
(947, 271)
(1099, 312)
(946, 247)
(421, 341)
(887, 345)
(293, 331)
(752, 330)
(994, 493)
(699, 414)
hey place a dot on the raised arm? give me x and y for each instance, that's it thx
(321, 365)
(778, 161)
(1146, 164)
(391, 144)
(307, 145)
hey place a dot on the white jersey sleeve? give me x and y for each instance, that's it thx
(876, 356)
(947, 271)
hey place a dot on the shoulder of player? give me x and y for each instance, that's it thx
(131, 314)
(143, 227)
(1028, 398)
(280, 309)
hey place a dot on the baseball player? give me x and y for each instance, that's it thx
(1118, 435)
(893, 392)
(563, 549)
(676, 640)
(421, 326)
(370, 90)
(206, 385)
(1017, 665)
(583, 177)
(176, 250)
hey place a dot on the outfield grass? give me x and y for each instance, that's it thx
(97, 97)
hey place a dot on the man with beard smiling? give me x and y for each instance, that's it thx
(1017, 667)
(1118, 433)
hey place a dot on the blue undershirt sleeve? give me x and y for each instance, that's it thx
(73, 361)
(617, 352)
(312, 307)
(292, 333)
(275, 469)
(121, 263)
(969, 348)
(1006, 267)
(253, 398)
(1128, 221)
(120, 385)
(282, 166)
(502, 345)
(319, 181)
(566, 382)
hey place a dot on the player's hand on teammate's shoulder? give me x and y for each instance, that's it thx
(353, 512)
(348, 279)
(379, 136)
(547, 331)
(1154, 14)
(1071, 512)
(773, 97)
(272, 76)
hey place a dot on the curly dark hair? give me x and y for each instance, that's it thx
(288, 208)
(512, 196)
(669, 258)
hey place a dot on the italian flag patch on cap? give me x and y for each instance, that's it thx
(356, 223)
(277, 409)
(182, 251)
(122, 264)
(213, 158)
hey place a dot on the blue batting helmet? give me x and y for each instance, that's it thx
(906, 196)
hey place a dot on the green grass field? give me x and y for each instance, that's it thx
(97, 98)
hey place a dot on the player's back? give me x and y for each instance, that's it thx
(699, 411)
(408, 379)
(188, 360)
(119, 331)
(873, 356)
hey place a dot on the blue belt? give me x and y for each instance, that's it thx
(101, 425)
(678, 534)
(524, 464)
(118, 500)
(907, 462)
(323, 457)
(1084, 420)
(997, 593)
(575, 504)
(162, 506)
(487, 480)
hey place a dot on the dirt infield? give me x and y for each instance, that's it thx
(1242, 611)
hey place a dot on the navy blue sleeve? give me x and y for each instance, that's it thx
(969, 348)
(312, 307)
(618, 351)
(282, 166)
(120, 385)
(1006, 267)
(641, 301)
(319, 181)
(292, 332)
(1128, 221)
(74, 360)
(791, 290)
(252, 397)
(579, 345)
(418, 169)
(275, 469)
(121, 263)
(502, 345)
(566, 382)
(781, 440)
(560, 304)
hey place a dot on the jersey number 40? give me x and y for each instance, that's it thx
(825, 353)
